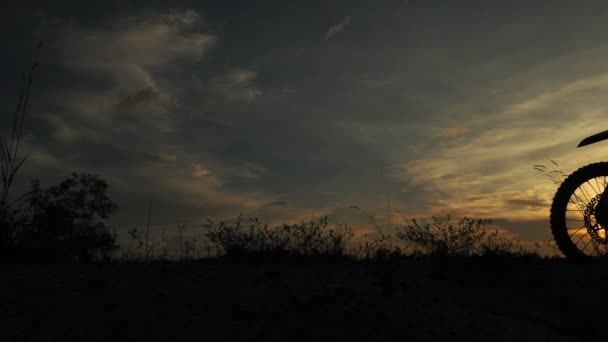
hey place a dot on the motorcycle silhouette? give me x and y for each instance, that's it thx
(579, 212)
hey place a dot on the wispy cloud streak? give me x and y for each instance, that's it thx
(337, 28)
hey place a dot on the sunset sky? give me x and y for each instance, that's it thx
(290, 110)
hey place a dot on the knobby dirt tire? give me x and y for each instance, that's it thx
(565, 191)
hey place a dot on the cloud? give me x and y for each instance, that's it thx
(135, 74)
(247, 170)
(582, 88)
(134, 85)
(145, 41)
(141, 96)
(453, 132)
(128, 69)
(489, 173)
(277, 203)
(337, 28)
(235, 85)
(165, 107)
(533, 202)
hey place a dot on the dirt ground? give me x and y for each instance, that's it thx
(411, 300)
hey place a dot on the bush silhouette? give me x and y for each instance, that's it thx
(65, 221)
(312, 238)
(445, 237)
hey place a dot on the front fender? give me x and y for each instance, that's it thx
(593, 139)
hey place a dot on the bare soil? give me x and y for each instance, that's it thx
(299, 300)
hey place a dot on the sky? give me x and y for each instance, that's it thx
(290, 110)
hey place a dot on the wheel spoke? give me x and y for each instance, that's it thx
(587, 197)
(595, 246)
(581, 207)
(576, 243)
(600, 188)
(580, 239)
(585, 194)
(592, 188)
(578, 229)
(587, 244)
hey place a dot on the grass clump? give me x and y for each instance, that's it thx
(447, 237)
(553, 172)
(249, 236)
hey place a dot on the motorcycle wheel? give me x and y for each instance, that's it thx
(573, 224)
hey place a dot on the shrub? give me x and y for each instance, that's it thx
(379, 248)
(303, 238)
(65, 221)
(495, 245)
(444, 237)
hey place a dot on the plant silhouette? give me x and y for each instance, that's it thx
(11, 162)
(65, 222)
